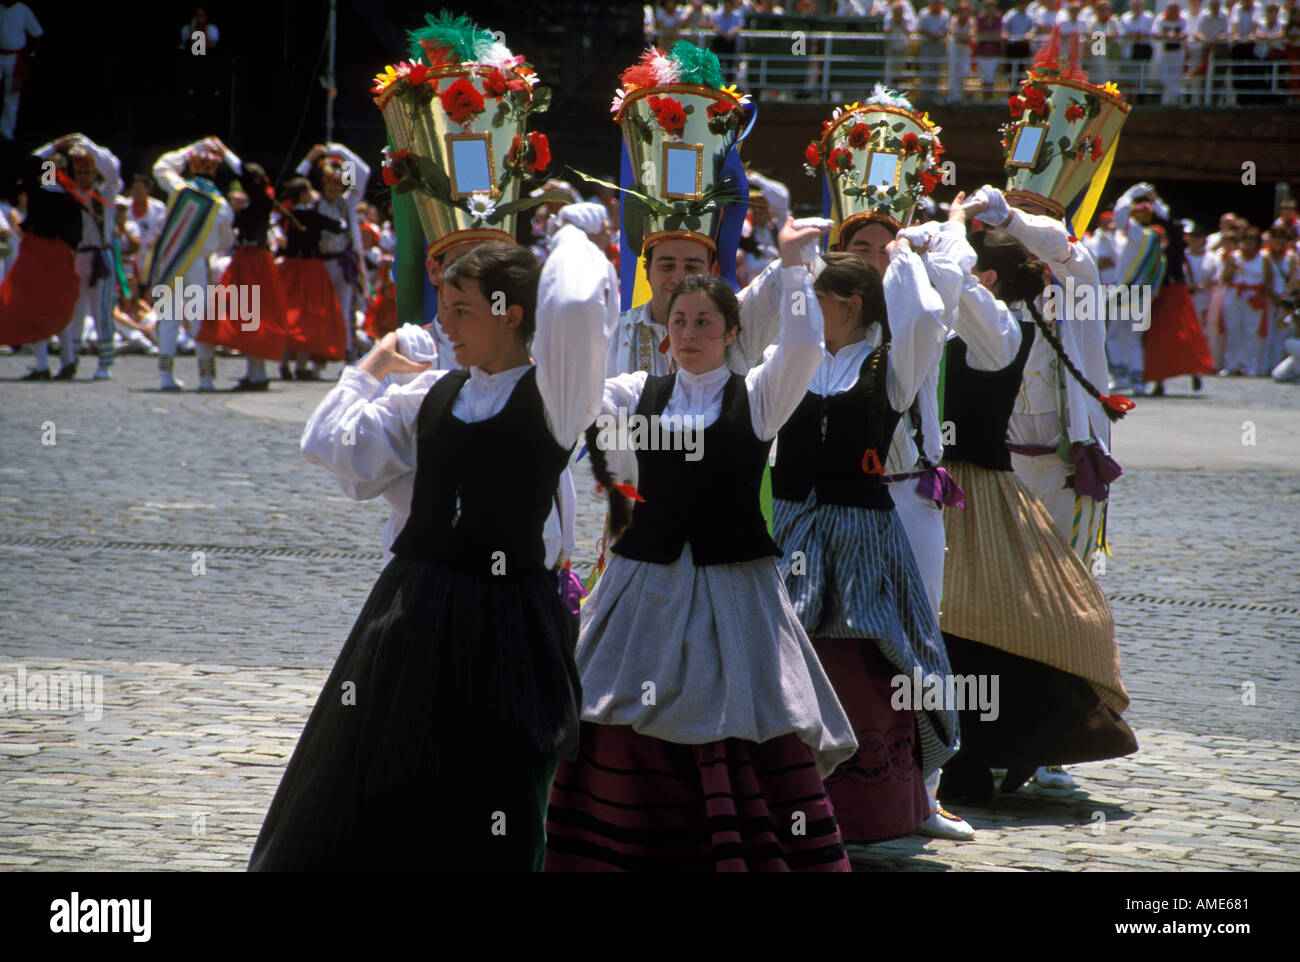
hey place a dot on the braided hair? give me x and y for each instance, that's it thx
(1021, 278)
(724, 299)
(844, 276)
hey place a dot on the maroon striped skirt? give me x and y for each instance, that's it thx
(879, 792)
(631, 802)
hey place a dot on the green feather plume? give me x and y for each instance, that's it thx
(697, 65)
(467, 40)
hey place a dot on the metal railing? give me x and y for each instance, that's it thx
(836, 67)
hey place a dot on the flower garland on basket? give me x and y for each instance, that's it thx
(859, 127)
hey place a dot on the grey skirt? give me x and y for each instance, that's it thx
(694, 655)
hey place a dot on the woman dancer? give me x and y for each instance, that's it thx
(315, 320)
(707, 721)
(251, 268)
(1018, 603)
(847, 564)
(435, 738)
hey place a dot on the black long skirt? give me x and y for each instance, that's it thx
(1045, 716)
(434, 741)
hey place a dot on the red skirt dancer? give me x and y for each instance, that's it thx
(643, 804)
(315, 320)
(251, 269)
(879, 793)
(1174, 344)
(40, 292)
(381, 314)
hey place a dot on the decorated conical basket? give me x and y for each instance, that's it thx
(457, 119)
(879, 159)
(680, 127)
(1063, 130)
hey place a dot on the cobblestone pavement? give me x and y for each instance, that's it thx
(207, 678)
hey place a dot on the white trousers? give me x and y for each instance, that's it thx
(343, 291)
(1076, 517)
(958, 68)
(1241, 350)
(923, 523)
(1124, 345)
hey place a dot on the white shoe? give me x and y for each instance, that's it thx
(103, 374)
(171, 384)
(942, 824)
(1053, 776)
(206, 386)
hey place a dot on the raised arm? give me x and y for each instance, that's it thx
(760, 318)
(577, 308)
(916, 321)
(364, 437)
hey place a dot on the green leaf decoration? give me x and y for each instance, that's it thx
(688, 109)
(526, 203)
(540, 101)
(898, 127)
(696, 65)
(405, 186)
(434, 177)
(503, 111)
(692, 223)
(1063, 143)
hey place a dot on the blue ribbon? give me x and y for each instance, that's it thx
(825, 239)
(627, 257)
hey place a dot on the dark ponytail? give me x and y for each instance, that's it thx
(1046, 330)
(843, 276)
(620, 513)
(1021, 276)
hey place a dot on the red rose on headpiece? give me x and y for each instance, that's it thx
(1035, 100)
(417, 75)
(840, 159)
(391, 177)
(670, 113)
(930, 181)
(720, 107)
(1096, 148)
(911, 144)
(813, 154)
(461, 101)
(1017, 106)
(541, 150)
(859, 136)
(494, 84)
(1074, 112)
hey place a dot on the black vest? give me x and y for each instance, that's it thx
(713, 502)
(51, 214)
(482, 490)
(822, 445)
(979, 404)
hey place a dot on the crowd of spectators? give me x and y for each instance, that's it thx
(1203, 52)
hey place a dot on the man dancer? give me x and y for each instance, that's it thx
(97, 178)
(199, 223)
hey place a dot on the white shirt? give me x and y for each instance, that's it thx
(1212, 26)
(150, 224)
(168, 170)
(1135, 29)
(933, 23)
(93, 232)
(1243, 20)
(775, 387)
(576, 308)
(17, 23)
(760, 315)
(345, 208)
